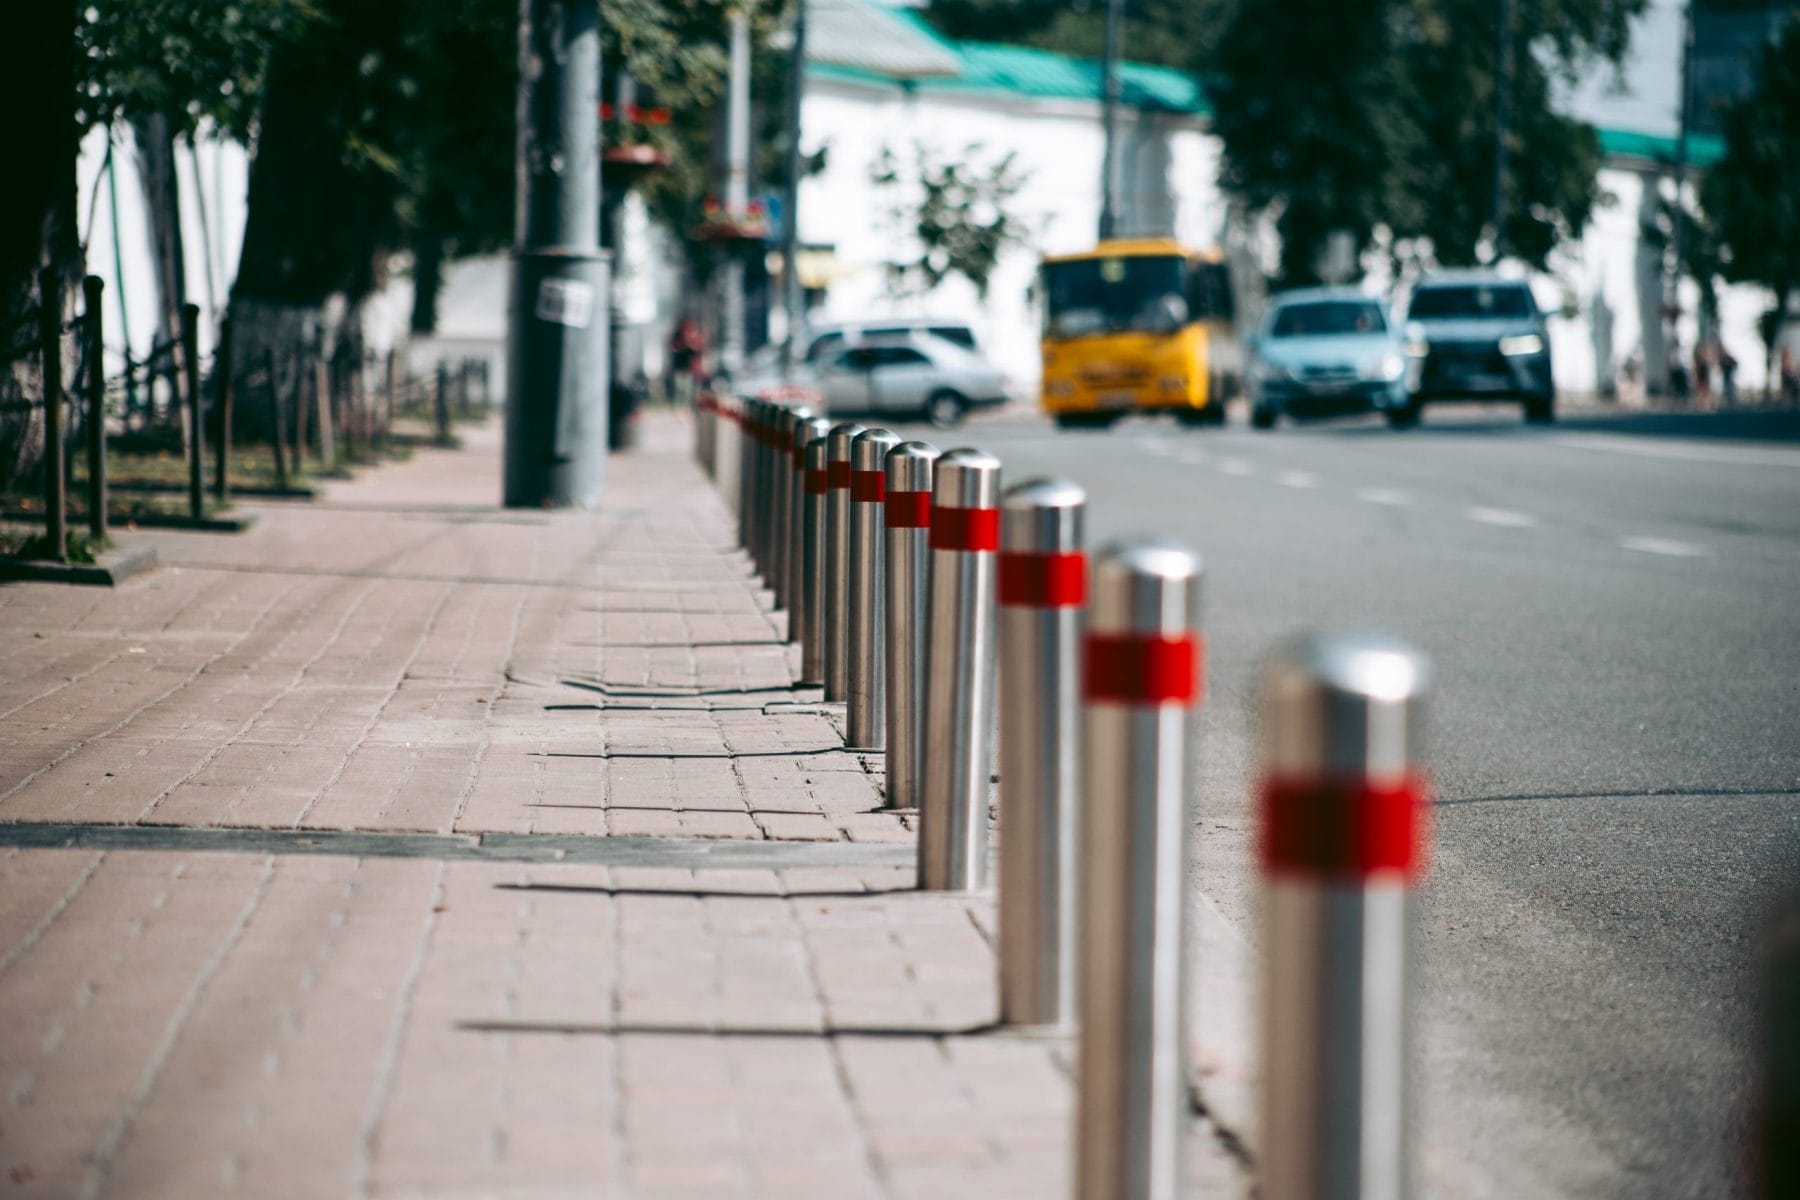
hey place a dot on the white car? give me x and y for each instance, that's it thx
(913, 374)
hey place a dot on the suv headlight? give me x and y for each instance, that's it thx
(1268, 372)
(1524, 343)
(1389, 366)
(1417, 348)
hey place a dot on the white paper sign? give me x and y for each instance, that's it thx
(565, 301)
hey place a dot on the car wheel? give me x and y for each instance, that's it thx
(1406, 416)
(1085, 420)
(1262, 418)
(1541, 410)
(945, 409)
(1194, 416)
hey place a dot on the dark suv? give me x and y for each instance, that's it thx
(1476, 336)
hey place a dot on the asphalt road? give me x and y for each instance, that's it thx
(1612, 607)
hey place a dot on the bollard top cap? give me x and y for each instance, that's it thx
(1341, 706)
(868, 450)
(1043, 493)
(817, 453)
(1372, 666)
(966, 478)
(909, 466)
(798, 413)
(813, 429)
(842, 434)
(1146, 586)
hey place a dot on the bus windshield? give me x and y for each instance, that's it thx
(1141, 293)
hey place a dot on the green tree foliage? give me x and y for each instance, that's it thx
(1752, 197)
(957, 218)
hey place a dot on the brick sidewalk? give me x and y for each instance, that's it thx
(409, 846)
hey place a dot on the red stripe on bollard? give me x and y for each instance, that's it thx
(1142, 669)
(1043, 580)
(868, 487)
(908, 510)
(1345, 828)
(837, 475)
(815, 483)
(965, 528)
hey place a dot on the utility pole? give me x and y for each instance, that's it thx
(1678, 235)
(793, 294)
(1109, 123)
(737, 188)
(1503, 86)
(556, 401)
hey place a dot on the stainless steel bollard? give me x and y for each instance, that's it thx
(812, 643)
(740, 456)
(729, 455)
(1342, 836)
(803, 431)
(1141, 674)
(907, 516)
(837, 559)
(787, 495)
(1043, 589)
(756, 515)
(959, 672)
(865, 716)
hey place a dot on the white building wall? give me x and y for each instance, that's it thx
(1169, 172)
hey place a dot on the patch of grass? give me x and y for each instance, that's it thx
(20, 541)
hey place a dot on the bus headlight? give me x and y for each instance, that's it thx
(1058, 387)
(1525, 343)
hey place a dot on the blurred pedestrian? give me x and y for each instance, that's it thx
(1728, 366)
(687, 359)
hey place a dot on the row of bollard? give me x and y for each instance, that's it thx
(918, 592)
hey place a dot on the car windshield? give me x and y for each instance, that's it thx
(1476, 301)
(1141, 293)
(1327, 318)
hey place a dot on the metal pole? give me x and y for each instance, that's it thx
(1342, 831)
(959, 672)
(865, 716)
(321, 393)
(556, 411)
(1043, 588)
(737, 187)
(1109, 123)
(222, 388)
(50, 348)
(440, 404)
(387, 401)
(190, 361)
(907, 520)
(94, 330)
(729, 452)
(1141, 676)
(789, 485)
(1503, 73)
(837, 559)
(812, 644)
(743, 420)
(281, 474)
(799, 582)
(793, 295)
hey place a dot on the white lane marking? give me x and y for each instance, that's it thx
(1503, 518)
(1664, 546)
(1681, 450)
(1236, 466)
(1383, 496)
(1297, 479)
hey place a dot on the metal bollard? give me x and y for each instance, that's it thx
(788, 487)
(812, 643)
(1343, 825)
(1140, 677)
(799, 434)
(1043, 588)
(837, 559)
(731, 458)
(1774, 1148)
(959, 672)
(756, 430)
(907, 517)
(865, 716)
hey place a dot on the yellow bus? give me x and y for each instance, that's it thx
(1138, 325)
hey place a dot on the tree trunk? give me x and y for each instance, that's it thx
(162, 215)
(37, 92)
(316, 224)
(428, 280)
